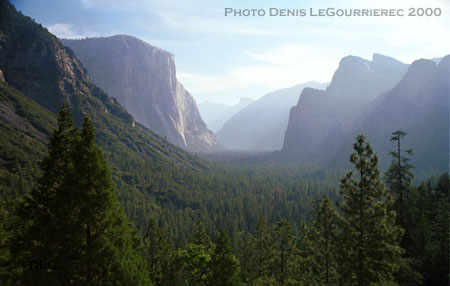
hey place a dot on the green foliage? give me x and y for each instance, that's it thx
(72, 215)
(428, 222)
(265, 281)
(399, 175)
(398, 179)
(157, 251)
(73, 219)
(322, 247)
(262, 248)
(224, 265)
(370, 238)
(200, 237)
(283, 246)
(41, 234)
(4, 236)
(24, 126)
(194, 262)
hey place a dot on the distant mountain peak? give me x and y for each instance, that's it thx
(382, 58)
(261, 125)
(245, 100)
(355, 83)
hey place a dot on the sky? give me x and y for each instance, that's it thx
(223, 58)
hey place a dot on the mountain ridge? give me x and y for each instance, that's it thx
(216, 114)
(261, 125)
(417, 104)
(355, 83)
(143, 79)
(40, 76)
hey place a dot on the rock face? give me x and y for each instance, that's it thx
(261, 125)
(2, 78)
(216, 114)
(356, 82)
(37, 67)
(143, 79)
(417, 104)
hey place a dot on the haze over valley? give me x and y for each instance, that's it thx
(145, 145)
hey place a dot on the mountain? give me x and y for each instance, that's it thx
(216, 114)
(355, 83)
(261, 125)
(418, 105)
(39, 75)
(143, 79)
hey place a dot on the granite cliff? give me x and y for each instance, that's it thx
(261, 125)
(374, 101)
(418, 105)
(355, 83)
(143, 79)
(39, 75)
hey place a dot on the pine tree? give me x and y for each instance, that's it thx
(321, 250)
(262, 251)
(157, 250)
(429, 249)
(38, 237)
(194, 260)
(244, 255)
(440, 216)
(107, 253)
(224, 266)
(200, 237)
(72, 220)
(283, 244)
(398, 179)
(399, 175)
(370, 238)
(194, 265)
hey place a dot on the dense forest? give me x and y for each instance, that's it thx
(90, 197)
(229, 224)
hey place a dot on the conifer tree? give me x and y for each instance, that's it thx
(398, 179)
(72, 220)
(224, 265)
(370, 238)
(38, 237)
(321, 250)
(440, 216)
(283, 245)
(157, 250)
(262, 250)
(399, 175)
(107, 251)
(429, 249)
(194, 265)
(193, 261)
(200, 237)
(244, 254)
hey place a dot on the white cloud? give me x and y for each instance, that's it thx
(202, 83)
(316, 43)
(65, 31)
(276, 68)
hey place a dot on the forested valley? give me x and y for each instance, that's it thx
(226, 224)
(89, 196)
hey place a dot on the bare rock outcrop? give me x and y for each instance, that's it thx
(143, 79)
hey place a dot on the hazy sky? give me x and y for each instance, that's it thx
(222, 58)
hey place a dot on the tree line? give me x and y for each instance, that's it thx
(71, 229)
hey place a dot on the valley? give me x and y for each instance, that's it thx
(105, 158)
